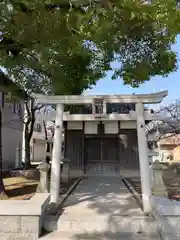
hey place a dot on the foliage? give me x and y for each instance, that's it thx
(71, 44)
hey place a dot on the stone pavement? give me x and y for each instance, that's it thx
(101, 208)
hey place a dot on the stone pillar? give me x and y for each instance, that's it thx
(151, 155)
(43, 186)
(143, 158)
(65, 171)
(56, 154)
(18, 157)
(158, 187)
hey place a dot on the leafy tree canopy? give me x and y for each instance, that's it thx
(67, 46)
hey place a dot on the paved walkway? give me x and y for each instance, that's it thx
(101, 208)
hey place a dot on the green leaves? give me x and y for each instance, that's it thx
(66, 47)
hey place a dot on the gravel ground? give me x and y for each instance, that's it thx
(171, 180)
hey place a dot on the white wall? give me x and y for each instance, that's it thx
(128, 124)
(38, 151)
(11, 139)
(111, 127)
(75, 125)
(91, 127)
(12, 126)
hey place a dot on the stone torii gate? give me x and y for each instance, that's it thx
(139, 100)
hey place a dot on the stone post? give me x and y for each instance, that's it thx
(65, 170)
(158, 187)
(43, 186)
(143, 158)
(151, 155)
(18, 157)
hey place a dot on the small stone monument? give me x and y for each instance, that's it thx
(151, 155)
(18, 158)
(65, 170)
(43, 186)
(158, 187)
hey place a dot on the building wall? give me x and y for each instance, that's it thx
(38, 150)
(74, 149)
(176, 154)
(128, 150)
(37, 144)
(12, 126)
(169, 148)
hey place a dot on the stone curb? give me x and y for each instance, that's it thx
(133, 190)
(53, 210)
(161, 221)
(68, 192)
(164, 226)
(51, 216)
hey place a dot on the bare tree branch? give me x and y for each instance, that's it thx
(169, 127)
(38, 107)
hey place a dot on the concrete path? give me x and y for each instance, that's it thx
(101, 208)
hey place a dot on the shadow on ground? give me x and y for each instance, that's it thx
(102, 208)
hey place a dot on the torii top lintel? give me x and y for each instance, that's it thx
(89, 99)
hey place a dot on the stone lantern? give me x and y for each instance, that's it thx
(158, 187)
(65, 170)
(43, 186)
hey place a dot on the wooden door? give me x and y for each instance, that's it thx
(101, 155)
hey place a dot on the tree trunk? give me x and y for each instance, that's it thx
(29, 127)
(27, 163)
(2, 188)
(46, 141)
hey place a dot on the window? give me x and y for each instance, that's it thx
(170, 158)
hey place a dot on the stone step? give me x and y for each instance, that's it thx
(93, 223)
(62, 235)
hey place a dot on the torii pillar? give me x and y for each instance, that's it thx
(143, 159)
(57, 154)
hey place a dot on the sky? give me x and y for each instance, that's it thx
(156, 84)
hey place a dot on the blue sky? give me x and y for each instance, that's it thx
(170, 83)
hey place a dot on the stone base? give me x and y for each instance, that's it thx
(129, 172)
(159, 192)
(73, 173)
(65, 173)
(123, 224)
(167, 213)
(23, 219)
(40, 189)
